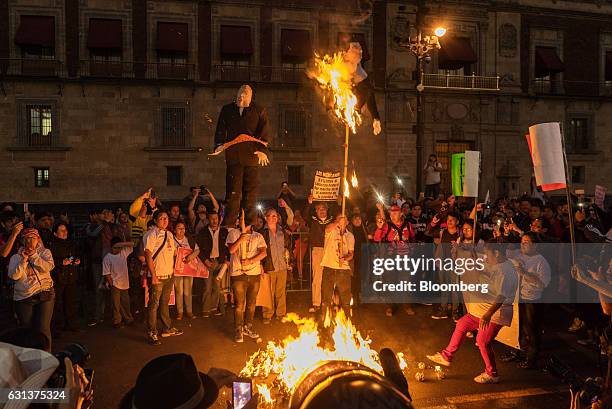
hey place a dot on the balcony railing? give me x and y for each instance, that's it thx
(129, 69)
(252, 73)
(461, 82)
(541, 86)
(30, 67)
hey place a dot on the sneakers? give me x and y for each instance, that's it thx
(218, 313)
(206, 314)
(440, 314)
(93, 323)
(238, 337)
(577, 325)
(486, 378)
(179, 317)
(171, 332)
(118, 325)
(191, 316)
(153, 338)
(248, 331)
(267, 321)
(314, 309)
(439, 359)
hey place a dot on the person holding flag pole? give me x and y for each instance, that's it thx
(547, 149)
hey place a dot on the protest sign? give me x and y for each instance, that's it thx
(600, 196)
(457, 173)
(326, 186)
(465, 170)
(193, 269)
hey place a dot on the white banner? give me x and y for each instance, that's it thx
(546, 151)
(472, 174)
(326, 186)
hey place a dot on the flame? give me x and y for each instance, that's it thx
(346, 188)
(265, 394)
(285, 363)
(401, 357)
(354, 180)
(334, 76)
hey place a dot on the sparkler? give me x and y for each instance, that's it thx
(354, 180)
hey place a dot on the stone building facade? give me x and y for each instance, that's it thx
(100, 99)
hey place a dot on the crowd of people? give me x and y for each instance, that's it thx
(60, 276)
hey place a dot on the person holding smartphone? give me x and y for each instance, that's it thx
(67, 259)
(432, 176)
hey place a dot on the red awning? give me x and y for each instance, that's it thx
(608, 72)
(236, 41)
(295, 44)
(105, 33)
(345, 38)
(172, 37)
(547, 62)
(455, 53)
(36, 30)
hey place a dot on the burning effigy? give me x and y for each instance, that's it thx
(278, 369)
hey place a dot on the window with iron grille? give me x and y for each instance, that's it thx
(174, 126)
(294, 129)
(294, 175)
(174, 175)
(37, 124)
(579, 135)
(578, 174)
(41, 177)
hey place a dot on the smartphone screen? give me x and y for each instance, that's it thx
(241, 393)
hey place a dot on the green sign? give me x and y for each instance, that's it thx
(458, 173)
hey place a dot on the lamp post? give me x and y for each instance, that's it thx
(421, 46)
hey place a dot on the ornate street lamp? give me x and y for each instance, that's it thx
(421, 46)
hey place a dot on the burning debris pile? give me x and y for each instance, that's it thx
(277, 370)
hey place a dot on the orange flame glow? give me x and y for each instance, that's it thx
(346, 188)
(354, 180)
(285, 363)
(265, 395)
(333, 75)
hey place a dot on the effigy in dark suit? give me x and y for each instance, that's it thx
(243, 159)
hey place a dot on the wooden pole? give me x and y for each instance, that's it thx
(569, 199)
(345, 173)
(344, 186)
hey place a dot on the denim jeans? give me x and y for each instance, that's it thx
(100, 293)
(211, 294)
(182, 293)
(245, 289)
(339, 279)
(159, 299)
(36, 312)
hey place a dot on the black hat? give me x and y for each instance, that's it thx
(171, 381)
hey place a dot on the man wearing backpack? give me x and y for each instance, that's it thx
(160, 250)
(397, 233)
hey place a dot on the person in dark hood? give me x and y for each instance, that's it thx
(66, 257)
